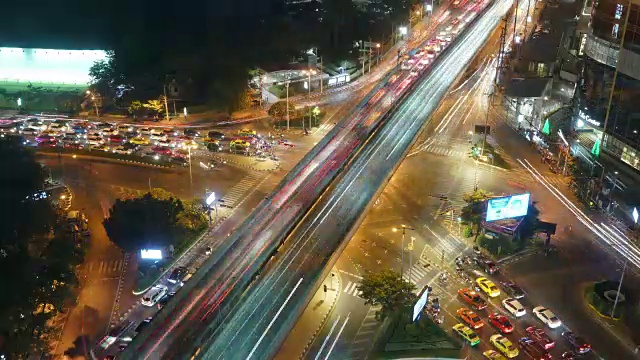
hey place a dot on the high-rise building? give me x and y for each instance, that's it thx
(612, 44)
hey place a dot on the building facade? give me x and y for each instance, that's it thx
(612, 40)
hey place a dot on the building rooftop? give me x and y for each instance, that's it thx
(527, 88)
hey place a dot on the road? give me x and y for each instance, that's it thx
(253, 243)
(258, 325)
(438, 167)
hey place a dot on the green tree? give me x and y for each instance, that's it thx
(388, 289)
(156, 106)
(135, 107)
(105, 77)
(279, 110)
(475, 206)
(37, 256)
(142, 222)
(192, 217)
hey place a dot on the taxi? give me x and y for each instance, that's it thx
(139, 140)
(472, 298)
(467, 334)
(504, 345)
(239, 143)
(493, 355)
(488, 286)
(470, 318)
(210, 140)
(247, 132)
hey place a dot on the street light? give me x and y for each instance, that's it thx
(309, 73)
(404, 229)
(377, 53)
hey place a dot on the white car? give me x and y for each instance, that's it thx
(40, 126)
(156, 131)
(151, 297)
(424, 61)
(121, 150)
(514, 307)
(109, 131)
(547, 317)
(165, 142)
(95, 140)
(157, 137)
(29, 131)
(144, 131)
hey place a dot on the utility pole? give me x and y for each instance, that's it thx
(410, 247)
(515, 21)
(166, 104)
(286, 85)
(503, 37)
(321, 72)
(404, 229)
(624, 269)
(369, 55)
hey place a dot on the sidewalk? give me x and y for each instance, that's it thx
(310, 323)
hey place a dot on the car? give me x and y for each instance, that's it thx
(117, 139)
(99, 147)
(139, 140)
(157, 137)
(72, 146)
(109, 131)
(514, 307)
(103, 125)
(568, 355)
(547, 317)
(170, 132)
(29, 131)
(156, 131)
(163, 150)
(247, 132)
(501, 323)
(43, 138)
(578, 344)
(130, 146)
(504, 345)
(48, 143)
(533, 349)
(186, 144)
(38, 125)
(144, 131)
(69, 139)
(190, 132)
(472, 298)
(470, 318)
(210, 140)
(95, 140)
(413, 72)
(512, 290)
(165, 142)
(124, 128)
(466, 334)
(177, 274)
(121, 150)
(239, 144)
(51, 133)
(486, 265)
(162, 302)
(538, 335)
(214, 147)
(73, 134)
(180, 160)
(215, 135)
(153, 295)
(208, 250)
(488, 287)
(57, 127)
(285, 143)
(421, 66)
(493, 355)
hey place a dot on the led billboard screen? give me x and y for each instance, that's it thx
(507, 207)
(422, 301)
(152, 254)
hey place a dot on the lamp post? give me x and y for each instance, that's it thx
(377, 53)
(404, 229)
(410, 248)
(615, 303)
(286, 85)
(95, 98)
(309, 73)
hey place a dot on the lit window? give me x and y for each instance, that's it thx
(614, 31)
(619, 9)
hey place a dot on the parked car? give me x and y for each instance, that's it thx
(578, 344)
(153, 295)
(178, 274)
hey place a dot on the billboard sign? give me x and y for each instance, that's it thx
(422, 301)
(211, 198)
(151, 254)
(507, 207)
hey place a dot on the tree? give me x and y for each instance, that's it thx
(193, 218)
(278, 110)
(135, 107)
(105, 77)
(388, 289)
(156, 106)
(475, 206)
(143, 222)
(37, 255)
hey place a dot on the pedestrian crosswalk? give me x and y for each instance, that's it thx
(103, 267)
(352, 289)
(445, 150)
(417, 271)
(361, 344)
(239, 190)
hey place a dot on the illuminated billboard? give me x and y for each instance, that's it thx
(422, 301)
(151, 254)
(48, 65)
(507, 207)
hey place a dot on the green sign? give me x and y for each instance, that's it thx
(595, 150)
(546, 129)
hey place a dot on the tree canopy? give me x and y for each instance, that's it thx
(155, 220)
(37, 255)
(388, 289)
(475, 206)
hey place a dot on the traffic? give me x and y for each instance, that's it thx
(495, 318)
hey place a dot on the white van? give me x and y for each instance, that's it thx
(154, 294)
